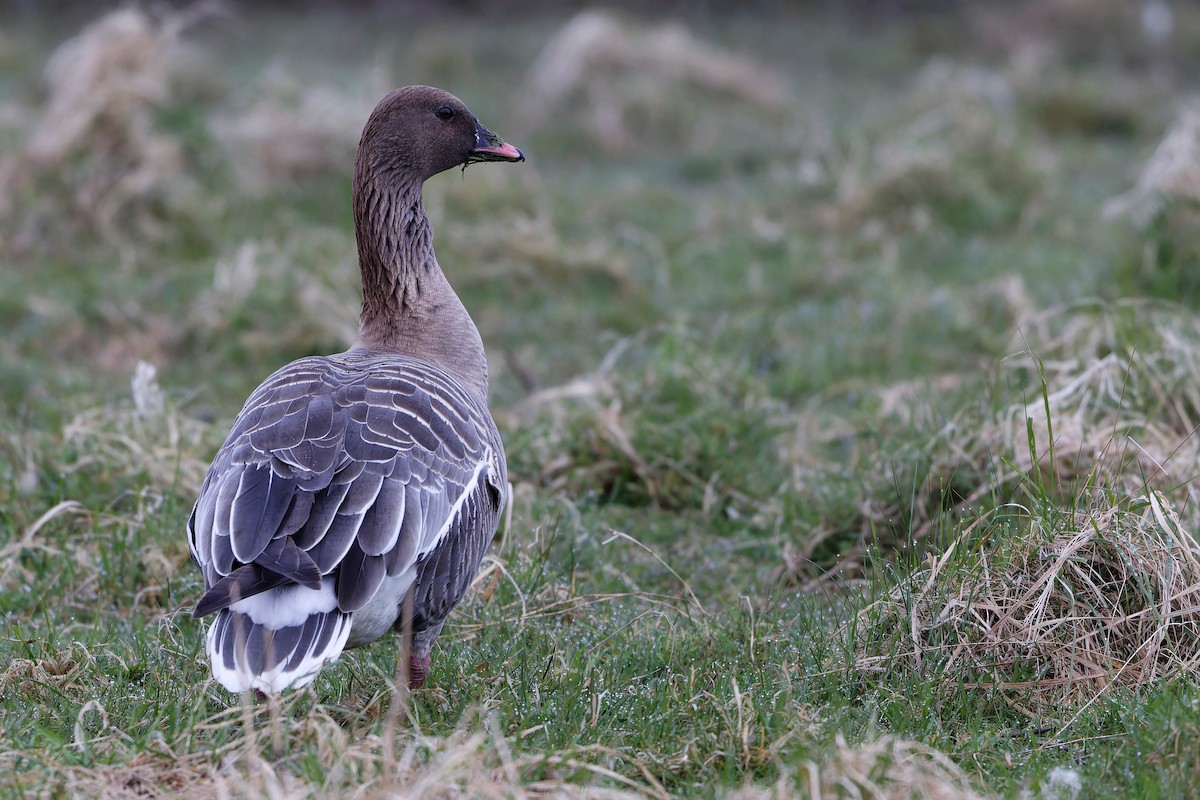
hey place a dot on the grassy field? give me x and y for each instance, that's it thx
(848, 367)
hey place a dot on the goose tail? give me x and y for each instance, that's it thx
(267, 644)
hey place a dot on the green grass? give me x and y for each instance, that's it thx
(757, 370)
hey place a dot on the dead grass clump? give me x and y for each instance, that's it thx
(475, 761)
(147, 777)
(1051, 609)
(1120, 397)
(945, 88)
(531, 249)
(283, 751)
(625, 81)
(957, 163)
(887, 768)
(69, 673)
(673, 427)
(32, 538)
(307, 272)
(291, 128)
(1120, 405)
(1133, 33)
(147, 439)
(96, 157)
(1163, 258)
(1064, 100)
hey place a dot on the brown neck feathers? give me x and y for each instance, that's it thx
(408, 305)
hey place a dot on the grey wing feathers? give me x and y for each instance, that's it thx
(441, 582)
(350, 469)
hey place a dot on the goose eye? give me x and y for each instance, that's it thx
(445, 113)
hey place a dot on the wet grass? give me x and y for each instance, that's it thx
(757, 368)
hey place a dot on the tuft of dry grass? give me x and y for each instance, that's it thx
(530, 249)
(1064, 102)
(95, 155)
(1109, 406)
(31, 540)
(1171, 173)
(145, 442)
(954, 161)
(150, 440)
(41, 679)
(619, 74)
(290, 129)
(306, 271)
(1164, 207)
(886, 768)
(1126, 32)
(656, 423)
(1119, 407)
(475, 761)
(1054, 613)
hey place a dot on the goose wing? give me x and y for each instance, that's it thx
(339, 473)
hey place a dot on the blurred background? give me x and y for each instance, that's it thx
(753, 243)
(791, 293)
(758, 215)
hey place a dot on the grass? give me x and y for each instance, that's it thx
(850, 416)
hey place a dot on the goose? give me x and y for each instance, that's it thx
(356, 493)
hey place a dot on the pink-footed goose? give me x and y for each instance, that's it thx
(355, 486)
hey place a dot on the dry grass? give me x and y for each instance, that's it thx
(95, 156)
(887, 768)
(1128, 31)
(309, 272)
(289, 128)
(31, 540)
(1171, 173)
(655, 423)
(616, 76)
(954, 159)
(530, 249)
(43, 679)
(1125, 412)
(146, 442)
(595, 398)
(1053, 614)
(1061, 101)
(475, 761)
(1164, 208)
(1111, 414)
(154, 443)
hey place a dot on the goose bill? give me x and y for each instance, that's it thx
(490, 147)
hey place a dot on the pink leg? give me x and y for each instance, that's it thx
(418, 670)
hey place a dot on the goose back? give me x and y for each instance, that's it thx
(342, 473)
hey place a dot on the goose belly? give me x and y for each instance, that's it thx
(381, 612)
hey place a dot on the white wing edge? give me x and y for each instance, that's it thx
(455, 509)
